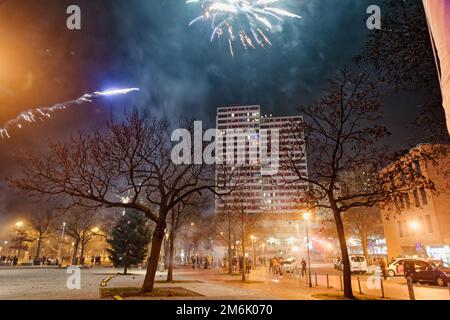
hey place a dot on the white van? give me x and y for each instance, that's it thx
(358, 264)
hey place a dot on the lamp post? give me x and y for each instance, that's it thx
(62, 239)
(306, 217)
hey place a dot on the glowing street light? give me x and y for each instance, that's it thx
(307, 216)
(19, 224)
(414, 225)
(61, 241)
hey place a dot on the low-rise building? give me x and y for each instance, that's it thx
(420, 223)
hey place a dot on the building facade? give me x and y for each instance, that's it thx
(272, 191)
(270, 188)
(420, 223)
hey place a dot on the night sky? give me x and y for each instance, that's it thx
(148, 44)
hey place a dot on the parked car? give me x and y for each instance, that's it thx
(429, 271)
(396, 267)
(289, 265)
(358, 264)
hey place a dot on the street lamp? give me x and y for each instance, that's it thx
(19, 224)
(60, 243)
(307, 217)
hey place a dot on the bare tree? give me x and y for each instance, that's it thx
(402, 57)
(42, 225)
(341, 134)
(224, 225)
(238, 221)
(20, 240)
(179, 217)
(79, 226)
(126, 165)
(363, 223)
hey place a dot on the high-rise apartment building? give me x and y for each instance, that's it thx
(257, 141)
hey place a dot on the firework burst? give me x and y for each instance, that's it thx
(246, 21)
(41, 114)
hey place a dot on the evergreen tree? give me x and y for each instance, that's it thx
(129, 240)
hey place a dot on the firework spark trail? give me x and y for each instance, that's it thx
(41, 114)
(252, 20)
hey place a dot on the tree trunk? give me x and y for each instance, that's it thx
(83, 244)
(38, 250)
(18, 254)
(230, 259)
(75, 251)
(166, 248)
(125, 269)
(244, 259)
(348, 292)
(244, 262)
(171, 256)
(152, 262)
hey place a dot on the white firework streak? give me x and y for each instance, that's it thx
(32, 115)
(249, 17)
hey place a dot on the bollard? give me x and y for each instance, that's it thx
(340, 280)
(315, 276)
(328, 283)
(359, 286)
(382, 288)
(412, 296)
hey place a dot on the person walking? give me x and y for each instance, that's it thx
(383, 268)
(303, 263)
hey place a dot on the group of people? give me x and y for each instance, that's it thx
(202, 262)
(276, 266)
(48, 260)
(237, 263)
(95, 260)
(12, 260)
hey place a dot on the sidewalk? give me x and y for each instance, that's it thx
(218, 284)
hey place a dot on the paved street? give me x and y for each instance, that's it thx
(46, 283)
